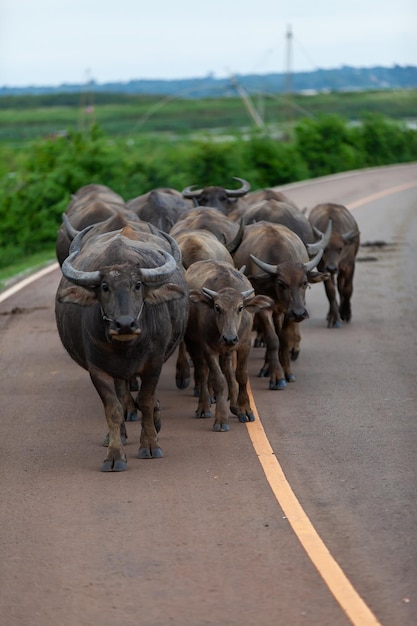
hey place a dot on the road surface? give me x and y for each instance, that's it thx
(307, 516)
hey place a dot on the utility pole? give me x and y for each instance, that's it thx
(288, 75)
(257, 119)
(87, 104)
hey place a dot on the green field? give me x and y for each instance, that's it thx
(50, 146)
(24, 118)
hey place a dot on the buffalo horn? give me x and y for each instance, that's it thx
(209, 292)
(267, 267)
(348, 236)
(79, 277)
(313, 248)
(69, 228)
(159, 274)
(314, 262)
(233, 245)
(246, 294)
(236, 193)
(189, 192)
(175, 249)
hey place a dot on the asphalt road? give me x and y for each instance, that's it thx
(207, 536)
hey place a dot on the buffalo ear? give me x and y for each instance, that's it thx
(317, 277)
(198, 297)
(76, 295)
(258, 303)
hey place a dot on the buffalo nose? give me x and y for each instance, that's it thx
(298, 315)
(332, 269)
(125, 324)
(230, 340)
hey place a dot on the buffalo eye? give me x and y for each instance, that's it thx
(281, 285)
(217, 308)
(104, 287)
(138, 285)
(240, 308)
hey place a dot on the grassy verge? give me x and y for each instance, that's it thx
(28, 265)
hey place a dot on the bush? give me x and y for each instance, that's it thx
(36, 185)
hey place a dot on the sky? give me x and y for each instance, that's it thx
(51, 42)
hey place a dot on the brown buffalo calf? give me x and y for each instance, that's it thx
(222, 306)
(338, 258)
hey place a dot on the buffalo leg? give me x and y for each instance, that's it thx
(126, 398)
(221, 419)
(272, 364)
(286, 339)
(113, 409)
(149, 447)
(345, 288)
(333, 319)
(244, 411)
(227, 367)
(183, 374)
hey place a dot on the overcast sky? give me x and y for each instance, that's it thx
(50, 42)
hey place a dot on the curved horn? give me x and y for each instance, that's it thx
(270, 269)
(233, 245)
(175, 249)
(246, 294)
(313, 248)
(70, 231)
(348, 236)
(89, 280)
(209, 292)
(161, 273)
(189, 192)
(236, 193)
(314, 262)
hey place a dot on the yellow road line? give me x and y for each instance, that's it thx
(339, 585)
(381, 194)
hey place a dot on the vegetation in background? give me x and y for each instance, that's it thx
(38, 177)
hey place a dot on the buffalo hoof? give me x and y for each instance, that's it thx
(148, 453)
(290, 378)
(221, 428)
(243, 417)
(202, 414)
(182, 383)
(264, 372)
(109, 465)
(132, 416)
(281, 383)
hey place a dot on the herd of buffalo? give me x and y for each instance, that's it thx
(205, 271)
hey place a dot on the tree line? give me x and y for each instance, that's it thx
(36, 183)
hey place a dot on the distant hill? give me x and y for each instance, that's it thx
(345, 78)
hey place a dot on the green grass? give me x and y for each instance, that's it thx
(28, 265)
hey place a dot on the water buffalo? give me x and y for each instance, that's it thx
(222, 305)
(196, 245)
(278, 266)
(225, 200)
(338, 258)
(210, 219)
(121, 310)
(162, 207)
(91, 204)
(279, 212)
